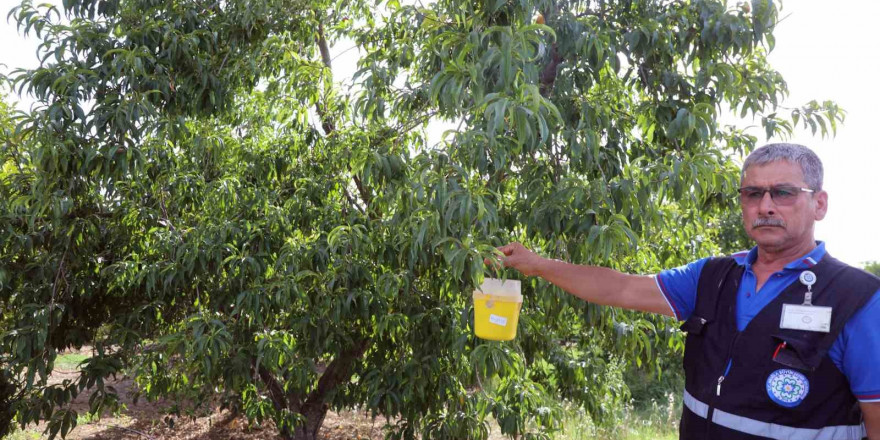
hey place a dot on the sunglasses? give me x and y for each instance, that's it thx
(781, 195)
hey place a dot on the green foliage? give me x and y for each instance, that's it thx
(8, 391)
(652, 388)
(873, 267)
(198, 198)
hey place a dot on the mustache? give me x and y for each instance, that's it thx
(768, 222)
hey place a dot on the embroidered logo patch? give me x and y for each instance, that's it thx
(787, 387)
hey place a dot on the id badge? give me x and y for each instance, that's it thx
(804, 317)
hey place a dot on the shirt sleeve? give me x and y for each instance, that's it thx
(857, 351)
(679, 287)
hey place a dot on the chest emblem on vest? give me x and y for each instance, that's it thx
(787, 387)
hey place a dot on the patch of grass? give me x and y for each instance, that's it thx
(659, 421)
(643, 433)
(636, 430)
(22, 435)
(86, 418)
(70, 361)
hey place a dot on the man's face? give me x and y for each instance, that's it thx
(774, 224)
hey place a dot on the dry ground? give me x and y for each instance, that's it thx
(145, 420)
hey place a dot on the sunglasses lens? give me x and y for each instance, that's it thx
(754, 194)
(782, 195)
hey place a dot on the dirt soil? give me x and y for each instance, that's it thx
(146, 420)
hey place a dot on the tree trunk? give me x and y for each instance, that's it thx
(314, 408)
(314, 419)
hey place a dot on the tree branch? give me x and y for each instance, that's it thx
(322, 45)
(352, 200)
(336, 373)
(419, 121)
(365, 194)
(548, 74)
(280, 399)
(328, 125)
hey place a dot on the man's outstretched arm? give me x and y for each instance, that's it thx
(597, 285)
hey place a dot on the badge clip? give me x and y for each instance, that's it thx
(808, 278)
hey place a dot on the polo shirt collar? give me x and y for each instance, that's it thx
(747, 258)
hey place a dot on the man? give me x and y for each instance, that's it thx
(783, 340)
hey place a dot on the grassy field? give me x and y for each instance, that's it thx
(638, 430)
(657, 421)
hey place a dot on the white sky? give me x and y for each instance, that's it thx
(824, 50)
(831, 50)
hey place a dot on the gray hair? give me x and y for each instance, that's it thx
(810, 164)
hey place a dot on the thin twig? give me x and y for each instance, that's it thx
(343, 52)
(782, 19)
(418, 122)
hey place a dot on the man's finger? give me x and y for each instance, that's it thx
(506, 249)
(495, 263)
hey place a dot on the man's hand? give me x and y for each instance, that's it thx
(519, 258)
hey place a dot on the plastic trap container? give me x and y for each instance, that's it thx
(496, 309)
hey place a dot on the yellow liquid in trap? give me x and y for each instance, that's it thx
(496, 317)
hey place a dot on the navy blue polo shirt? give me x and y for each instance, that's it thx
(856, 351)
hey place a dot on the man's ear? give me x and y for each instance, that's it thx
(821, 201)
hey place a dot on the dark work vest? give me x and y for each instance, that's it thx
(743, 409)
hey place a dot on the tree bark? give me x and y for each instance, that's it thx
(314, 408)
(314, 420)
(549, 72)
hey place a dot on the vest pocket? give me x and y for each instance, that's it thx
(791, 353)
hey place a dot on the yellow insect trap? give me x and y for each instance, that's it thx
(496, 309)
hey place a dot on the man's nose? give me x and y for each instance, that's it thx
(766, 206)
